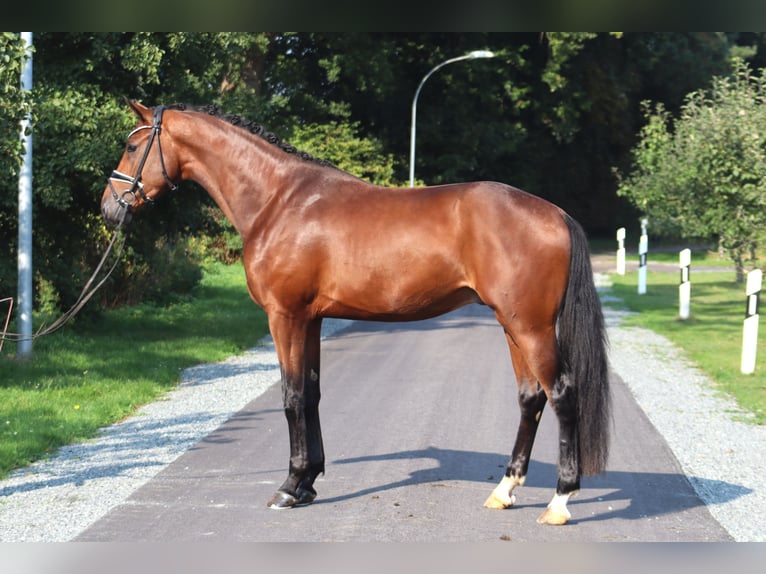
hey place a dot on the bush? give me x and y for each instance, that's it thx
(165, 274)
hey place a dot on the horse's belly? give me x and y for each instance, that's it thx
(381, 304)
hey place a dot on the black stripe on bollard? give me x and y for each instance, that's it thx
(753, 303)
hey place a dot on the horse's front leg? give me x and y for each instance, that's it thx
(297, 344)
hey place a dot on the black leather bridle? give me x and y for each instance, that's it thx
(136, 186)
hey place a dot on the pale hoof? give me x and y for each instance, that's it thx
(499, 503)
(553, 518)
(282, 499)
(556, 513)
(502, 496)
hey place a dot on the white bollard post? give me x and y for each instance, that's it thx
(643, 249)
(685, 287)
(621, 251)
(750, 329)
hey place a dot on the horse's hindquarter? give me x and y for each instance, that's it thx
(400, 254)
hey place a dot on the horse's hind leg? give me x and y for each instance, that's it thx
(532, 400)
(563, 400)
(535, 361)
(540, 352)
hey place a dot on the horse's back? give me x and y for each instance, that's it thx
(410, 253)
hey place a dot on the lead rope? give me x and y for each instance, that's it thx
(85, 294)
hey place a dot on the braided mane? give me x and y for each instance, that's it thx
(253, 128)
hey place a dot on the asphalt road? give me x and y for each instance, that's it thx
(418, 421)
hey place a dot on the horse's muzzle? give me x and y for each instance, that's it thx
(115, 214)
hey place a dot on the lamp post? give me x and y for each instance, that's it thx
(24, 347)
(470, 56)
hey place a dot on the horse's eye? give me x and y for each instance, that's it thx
(131, 148)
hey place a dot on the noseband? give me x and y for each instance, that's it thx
(128, 197)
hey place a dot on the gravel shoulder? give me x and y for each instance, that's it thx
(722, 455)
(54, 500)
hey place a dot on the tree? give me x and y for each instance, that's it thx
(551, 113)
(80, 123)
(14, 105)
(704, 174)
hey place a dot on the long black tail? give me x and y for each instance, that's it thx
(582, 348)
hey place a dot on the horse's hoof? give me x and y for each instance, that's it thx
(498, 503)
(282, 499)
(553, 518)
(557, 513)
(306, 496)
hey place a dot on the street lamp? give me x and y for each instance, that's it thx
(469, 56)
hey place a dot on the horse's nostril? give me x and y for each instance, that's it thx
(115, 214)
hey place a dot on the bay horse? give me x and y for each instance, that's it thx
(319, 242)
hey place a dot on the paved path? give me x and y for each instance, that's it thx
(418, 422)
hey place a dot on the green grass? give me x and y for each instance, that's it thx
(663, 253)
(711, 337)
(700, 257)
(94, 373)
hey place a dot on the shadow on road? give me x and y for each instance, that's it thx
(660, 493)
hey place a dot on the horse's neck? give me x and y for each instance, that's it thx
(231, 166)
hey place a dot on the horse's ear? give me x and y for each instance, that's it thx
(140, 110)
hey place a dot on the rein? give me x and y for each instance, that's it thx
(84, 296)
(126, 200)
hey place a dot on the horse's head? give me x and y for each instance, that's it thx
(147, 168)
